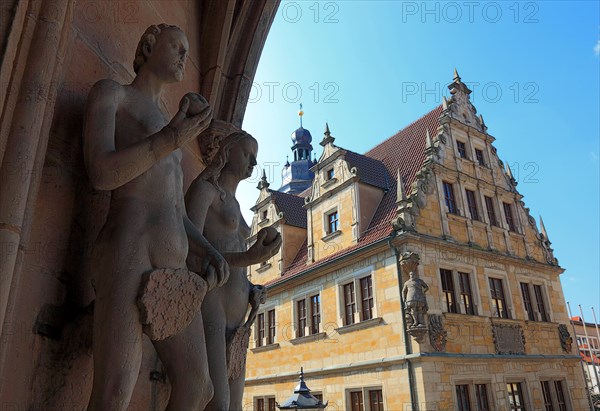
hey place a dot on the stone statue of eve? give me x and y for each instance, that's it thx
(215, 211)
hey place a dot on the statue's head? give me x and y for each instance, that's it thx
(236, 152)
(163, 49)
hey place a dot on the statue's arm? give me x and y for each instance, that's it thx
(108, 167)
(257, 253)
(202, 254)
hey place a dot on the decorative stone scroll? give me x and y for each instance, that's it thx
(566, 340)
(508, 339)
(437, 335)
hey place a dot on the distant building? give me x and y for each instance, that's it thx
(589, 350)
(435, 200)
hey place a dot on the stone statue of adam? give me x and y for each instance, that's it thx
(133, 150)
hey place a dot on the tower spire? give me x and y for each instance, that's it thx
(327, 137)
(543, 229)
(400, 194)
(456, 76)
(263, 183)
(300, 114)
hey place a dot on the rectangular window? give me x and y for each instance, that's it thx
(301, 306)
(462, 150)
(498, 299)
(261, 329)
(489, 205)
(527, 301)
(315, 313)
(509, 217)
(260, 404)
(366, 289)
(264, 215)
(349, 304)
(356, 401)
(479, 155)
(271, 325)
(272, 404)
(465, 293)
(560, 396)
(462, 398)
(448, 290)
(472, 203)
(375, 400)
(449, 197)
(482, 397)
(332, 222)
(330, 174)
(539, 300)
(515, 396)
(547, 396)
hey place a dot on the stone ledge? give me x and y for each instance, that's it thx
(264, 348)
(359, 326)
(456, 217)
(329, 182)
(263, 222)
(309, 338)
(263, 268)
(331, 235)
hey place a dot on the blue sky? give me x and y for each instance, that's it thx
(371, 67)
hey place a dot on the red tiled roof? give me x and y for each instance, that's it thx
(405, 151)
(291, 206)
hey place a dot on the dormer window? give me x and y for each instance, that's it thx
(462, 149)
(264, 215)
(332, 222)
(330, 174)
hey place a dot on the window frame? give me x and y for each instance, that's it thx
(529, 279)
(472, 204)
(355, 278)
(365, 394)
(266, 402)
(461, 149)
(306, 296)
(450, 197)
(491, 213)
(472, 392)
(522, 392)
(490, 272)
(327, 227)
(457, 269)
(265, 313)
(480, 159)
(330, 174)
(509, 217)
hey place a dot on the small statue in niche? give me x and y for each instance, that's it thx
(413, 293)
(215, 211)
(133, 150)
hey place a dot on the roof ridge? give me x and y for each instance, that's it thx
(402, 129)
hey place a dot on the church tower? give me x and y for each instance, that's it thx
(297, 177)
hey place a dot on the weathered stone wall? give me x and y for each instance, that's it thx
(52, 54)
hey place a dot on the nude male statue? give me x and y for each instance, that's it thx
(214, 210)
(133, 150)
